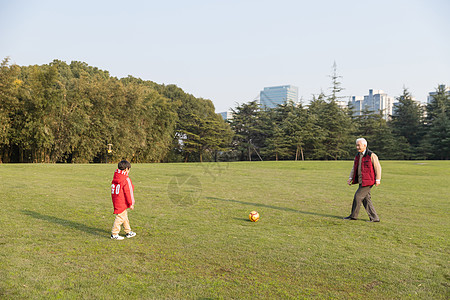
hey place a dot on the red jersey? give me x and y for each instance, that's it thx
(122, 191)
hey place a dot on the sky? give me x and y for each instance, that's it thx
(228, 51)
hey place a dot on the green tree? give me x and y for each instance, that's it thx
(199, 131)
(335, 125)
(336, 87)
(147, 122)
(70, 113)
(316, 110)
(39, 97)
(277, 145)
(407, 123)
(437, 125)
(337, 121)
(248, 132)
(200, 136)
(304, 133)
(9, 85)
(374, 128)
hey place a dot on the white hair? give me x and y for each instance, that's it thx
(361, 140)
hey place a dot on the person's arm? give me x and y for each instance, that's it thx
(350, 178)
(129, 193)
(377, 168)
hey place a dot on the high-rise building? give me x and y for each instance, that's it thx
(432, 94)
(376, 101)
(270, 97)
(227, 115)
(357, 103)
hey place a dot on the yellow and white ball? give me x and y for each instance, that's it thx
(253, 216)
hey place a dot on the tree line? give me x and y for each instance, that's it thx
(324, 131)
(62, 112)
(69, 113)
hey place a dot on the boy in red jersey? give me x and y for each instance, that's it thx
(122, 192)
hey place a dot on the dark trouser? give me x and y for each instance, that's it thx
(363, 195)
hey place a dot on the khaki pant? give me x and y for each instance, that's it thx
(121, 218)
(363, 195)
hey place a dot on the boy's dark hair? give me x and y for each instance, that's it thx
(124, 164)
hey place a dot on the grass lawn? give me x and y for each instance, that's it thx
(194, 239)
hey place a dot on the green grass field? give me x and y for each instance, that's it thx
(194, 239)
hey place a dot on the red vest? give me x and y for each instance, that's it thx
(367, 170)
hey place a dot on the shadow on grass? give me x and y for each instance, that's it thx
(276, 207)
(243, 220)
(67, 223)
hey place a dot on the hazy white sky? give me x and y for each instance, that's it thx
(228, 51)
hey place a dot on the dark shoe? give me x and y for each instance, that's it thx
(373, 220)
(349, 218)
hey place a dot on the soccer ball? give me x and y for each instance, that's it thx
(253, 216)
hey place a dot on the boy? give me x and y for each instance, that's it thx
(122, 192)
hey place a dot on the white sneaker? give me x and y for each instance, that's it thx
(130, 234)
(116, 237)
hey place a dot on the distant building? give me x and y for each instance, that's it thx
(357, 104)
(273, 96)
(227, 115)
(342, 104)
(376, 101)
(432, 94)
